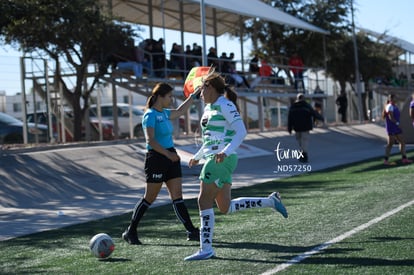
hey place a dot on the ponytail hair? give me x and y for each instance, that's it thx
(150, 101)
(160, 89)
(231, 95)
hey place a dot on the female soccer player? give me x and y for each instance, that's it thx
(223, 131)
(391, 114)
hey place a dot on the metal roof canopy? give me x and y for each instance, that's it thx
(220, 16)
(400, 43)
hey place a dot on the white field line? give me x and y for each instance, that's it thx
(325, 245)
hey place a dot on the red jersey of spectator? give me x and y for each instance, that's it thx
(265, 69)
(296, 64)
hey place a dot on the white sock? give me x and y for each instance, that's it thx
(243, 203)
(206, 229)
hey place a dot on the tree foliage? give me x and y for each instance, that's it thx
(77, 32)
(375, 61)
(333, 51)
(277, 42)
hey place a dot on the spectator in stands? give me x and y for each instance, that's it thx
(127, 60)
(145, 48)
(232, 76)
(254, 64)
(342, 103)
(188, 60)
(301, 118)
(197, 54)
(177, 58)
(296, 66)
(231, 58)
(224, 63)
(212, 57)
(147, 45)
(158, 57)
(265, 69)
(188, 50)
(193, 56)
(133, 66)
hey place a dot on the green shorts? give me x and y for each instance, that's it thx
(219, 173)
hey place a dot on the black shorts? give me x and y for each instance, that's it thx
(158, 168)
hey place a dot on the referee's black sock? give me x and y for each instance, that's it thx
(139, 211)
(182, 214)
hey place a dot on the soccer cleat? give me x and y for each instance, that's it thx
(406, 161)
(389, 163)
(278, 205)
(131, 237)
(193, 235)
(201, 255)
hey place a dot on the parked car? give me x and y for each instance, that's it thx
(42, 118)
(11, 131)
(107, 128)
(123, 117)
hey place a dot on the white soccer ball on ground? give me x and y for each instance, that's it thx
(101, 245)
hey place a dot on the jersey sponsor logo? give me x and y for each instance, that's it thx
(206, 229)
(248, 204)
(235, 113)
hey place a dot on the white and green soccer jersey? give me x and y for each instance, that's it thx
(216, 127)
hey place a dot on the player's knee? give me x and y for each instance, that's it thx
(224, 210)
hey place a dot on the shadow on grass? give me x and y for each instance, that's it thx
(350, 262)
(387, 239)
(330, 255)
(114, 260)
(382, 240)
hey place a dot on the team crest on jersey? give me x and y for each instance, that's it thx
(160, 118)
(204, 122)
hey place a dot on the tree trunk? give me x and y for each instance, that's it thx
(77, 119)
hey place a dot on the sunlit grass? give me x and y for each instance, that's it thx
(321, 205)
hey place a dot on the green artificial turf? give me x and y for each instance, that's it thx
(322, 205)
